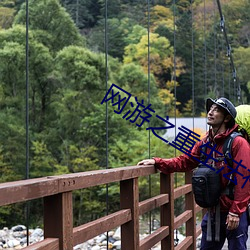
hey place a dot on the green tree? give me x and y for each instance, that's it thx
(84, 13)
(242, 64)
(53, 25)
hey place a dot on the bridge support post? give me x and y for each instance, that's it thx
(190, 205)
(167, 210)
(58, 219)
(129, 198)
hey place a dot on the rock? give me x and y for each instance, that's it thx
(16, 238)
(111, 233)
(95, 248)
(13, 243)
(117, 235)
(38, 232)
(111, 239)
(100, 238)
(18, 228)
(117, 245)
(3, 233)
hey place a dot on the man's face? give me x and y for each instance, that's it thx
(215, 116)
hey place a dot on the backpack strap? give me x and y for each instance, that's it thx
(227, 147)
(209, 210)
(203, 151)
(227, 151)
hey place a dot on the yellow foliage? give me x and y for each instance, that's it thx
(161, 15)
(203, 114)
(166, 96)
(6, 17)
(172, 84)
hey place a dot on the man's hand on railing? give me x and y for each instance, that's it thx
(146, 162)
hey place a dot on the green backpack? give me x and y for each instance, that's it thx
(243, 120)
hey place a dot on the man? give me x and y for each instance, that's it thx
(221, 115)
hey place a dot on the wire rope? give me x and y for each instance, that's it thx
(149, 142)
(205, 49)
(236, 83)
(106, 117)
(192, 25)
(27, 207)
(215, 54)
(174, 69)
(175, 92)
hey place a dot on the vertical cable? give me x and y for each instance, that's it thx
(205, 51)
(77, 13)
(174, 73)
(192, 24)
(107, 124)
(235, 89)
(215, 52)
(27, 207)
(149, 148)
(175, 92)
(222, 68)
(223, 80)
(230, 57)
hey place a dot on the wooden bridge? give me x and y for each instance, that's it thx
(56, 192)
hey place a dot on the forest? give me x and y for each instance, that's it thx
(170, 54)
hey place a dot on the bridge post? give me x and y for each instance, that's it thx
(58, 219)
(167, 210)
(129, 198)
(190, 205)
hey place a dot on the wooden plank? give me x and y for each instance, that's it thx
(58, 219)
(190, 205)
(182, 190)
(129, 196)
(198, 208)
(98, 177)
(167, 210)
(46, 244)
(185, 244)
(154, 238)
(24, 190)
(152, 203)
(198, 231)
(182, 218)
(90, 230)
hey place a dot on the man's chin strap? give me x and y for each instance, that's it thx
(218, 129)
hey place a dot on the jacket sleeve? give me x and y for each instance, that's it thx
(182, 163)
(241, 158)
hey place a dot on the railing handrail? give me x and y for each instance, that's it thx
(58, 208)
(50, 185)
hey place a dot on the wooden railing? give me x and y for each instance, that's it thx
(56, 192)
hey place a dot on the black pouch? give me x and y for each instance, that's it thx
(206, 186)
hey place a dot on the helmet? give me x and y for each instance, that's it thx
(223, 103)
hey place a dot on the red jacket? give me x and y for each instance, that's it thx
(240, 151)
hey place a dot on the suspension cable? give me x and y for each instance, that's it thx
(192, 24)
(229, 53)
(107, 120)
(27, 207)
(175, 94)
(205, 51)
(215, 54)
(149, 142)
